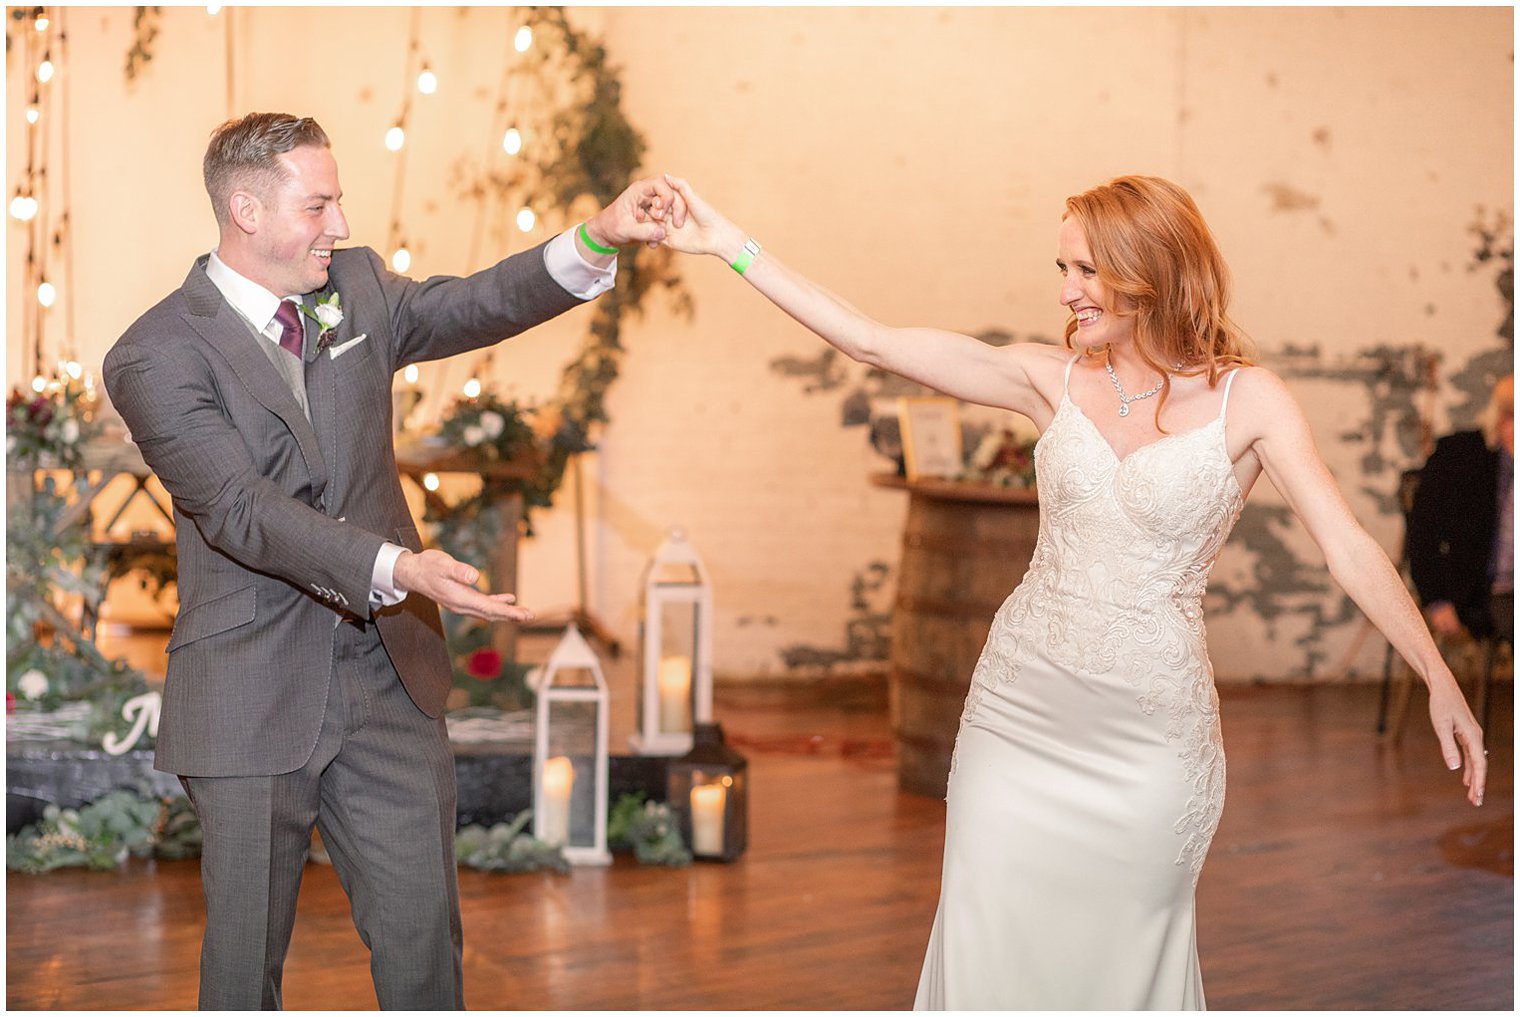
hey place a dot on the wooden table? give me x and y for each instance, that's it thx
(965, 547)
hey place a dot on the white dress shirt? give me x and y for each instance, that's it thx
(257, 305)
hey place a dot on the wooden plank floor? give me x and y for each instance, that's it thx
(1346, 874)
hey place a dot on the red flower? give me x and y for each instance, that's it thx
(484, 664)
(10, 702)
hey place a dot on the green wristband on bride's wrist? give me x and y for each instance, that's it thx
(742, 262)
(592, 244)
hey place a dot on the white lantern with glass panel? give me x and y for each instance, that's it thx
(676, 650)
(570, 753)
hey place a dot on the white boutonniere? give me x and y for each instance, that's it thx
(328, 314)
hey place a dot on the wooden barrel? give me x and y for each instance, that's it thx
(965, 547)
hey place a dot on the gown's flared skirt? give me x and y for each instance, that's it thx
(1063, 885)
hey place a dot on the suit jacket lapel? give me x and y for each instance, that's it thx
(216, 322)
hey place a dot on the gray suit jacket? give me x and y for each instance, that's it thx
(280, 517)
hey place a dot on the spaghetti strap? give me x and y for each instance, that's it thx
(1229, 380)
(1066, 381)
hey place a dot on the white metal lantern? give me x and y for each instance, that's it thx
(570, 753)
(676, 643)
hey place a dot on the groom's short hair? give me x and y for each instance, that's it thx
(241, 154)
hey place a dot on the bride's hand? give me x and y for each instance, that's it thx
(1461, 738)
(705, 230)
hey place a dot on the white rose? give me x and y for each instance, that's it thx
(328, 315)
(71, 430)
(492, 423)
(474, 435)
(32, 685)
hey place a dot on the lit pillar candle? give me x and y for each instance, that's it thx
(554, 800)
(707, 801)
(675, 694)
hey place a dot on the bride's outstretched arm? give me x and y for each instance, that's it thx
(955, 364)
(1280, 438)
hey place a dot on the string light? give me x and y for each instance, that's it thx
(430, 481)
(411, 374)
(45, 71)
(524, 39)
(472, 389)
(23, 207)
(213, 9)
(395, 138)
(42, 22)
(511, 142)
(526, 219)
(401, 260)
(33, 114)
(73, 369)
(39, 384)
(47, 293)
(427, 81)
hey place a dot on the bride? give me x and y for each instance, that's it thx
(1088, 775)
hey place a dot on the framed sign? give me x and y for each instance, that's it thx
(931, 436)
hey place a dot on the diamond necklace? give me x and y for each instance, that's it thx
(1125, 400)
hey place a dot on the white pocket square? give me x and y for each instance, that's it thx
(337, 351)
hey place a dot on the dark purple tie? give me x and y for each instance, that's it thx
(291, 337)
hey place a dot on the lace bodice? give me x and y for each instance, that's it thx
(1115, 586)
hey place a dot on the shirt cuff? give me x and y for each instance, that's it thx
(382, 582)
(578, 276)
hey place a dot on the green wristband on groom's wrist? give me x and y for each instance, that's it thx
(592, 244)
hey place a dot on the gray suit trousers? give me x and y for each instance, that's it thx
(380, 787)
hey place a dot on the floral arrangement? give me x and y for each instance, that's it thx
(483, 676)
(1001, 458)
(49, 659)
(49, 427)
(649, 828)
(486, 429)
(104, 833)
(507, 847)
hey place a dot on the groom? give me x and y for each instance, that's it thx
(307, 668)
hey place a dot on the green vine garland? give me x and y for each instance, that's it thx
(595, 151)
(104, 833)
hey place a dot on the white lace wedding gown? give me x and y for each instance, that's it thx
(1088, 775)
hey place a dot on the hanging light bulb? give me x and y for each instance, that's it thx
(526, 219)
(411, 374)
(472, 389)
(33, 114)
(213, 9)
(23, 207)
(430, 481)
(73, 369)
(45, 71)
(47, 293)
(401, 260)
(523, 39)
(427, 81)
(39, 384)
(395, 138)
(42, 22)
(511, 142)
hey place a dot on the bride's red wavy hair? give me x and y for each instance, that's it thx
(1149, 243)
